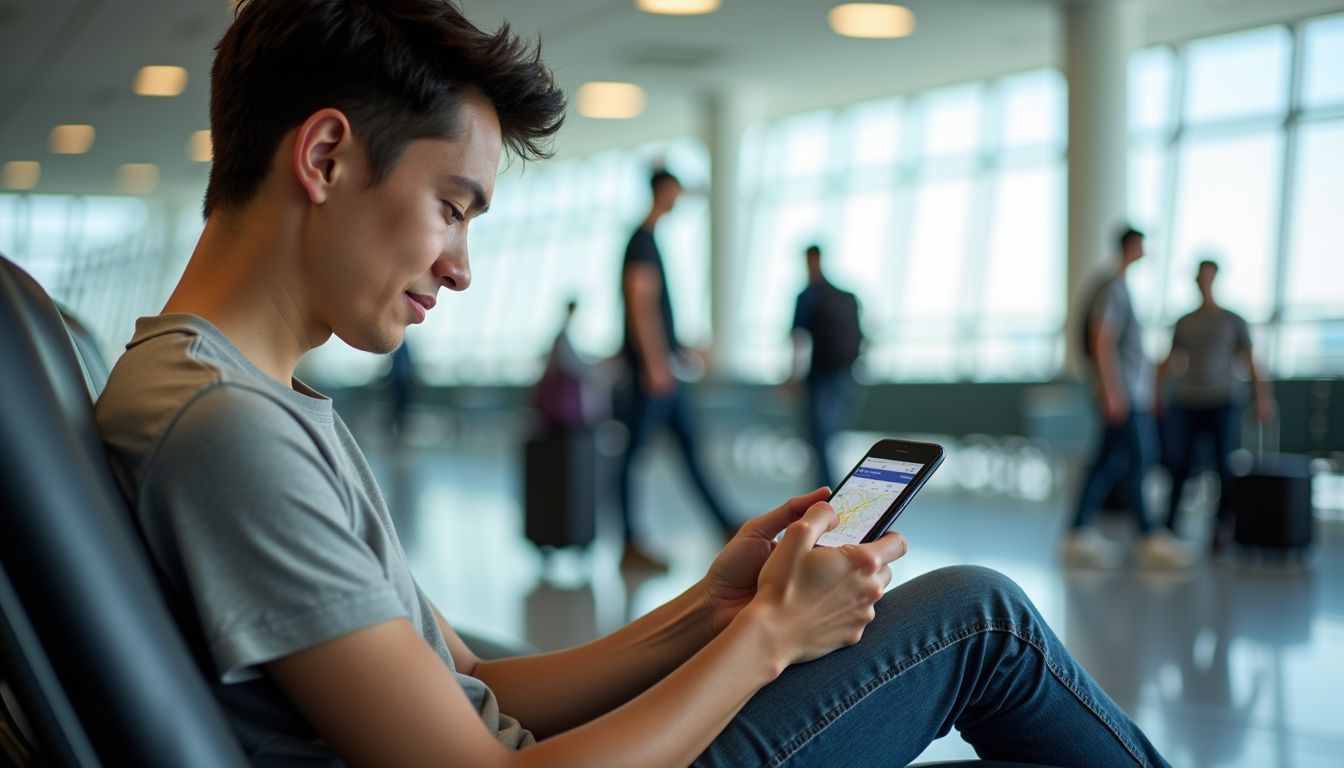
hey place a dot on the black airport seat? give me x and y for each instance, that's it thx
(88, 647)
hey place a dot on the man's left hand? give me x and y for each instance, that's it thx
(731, 581)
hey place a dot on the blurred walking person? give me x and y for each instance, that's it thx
(657, 399)
(1123, 382)
(827, 338)
(570, 396)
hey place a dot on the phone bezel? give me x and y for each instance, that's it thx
(931, 455)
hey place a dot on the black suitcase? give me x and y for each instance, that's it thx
(560, 489)
(1271, 504)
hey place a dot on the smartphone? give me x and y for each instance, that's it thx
(877, 490)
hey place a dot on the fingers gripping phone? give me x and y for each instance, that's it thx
(877, 490)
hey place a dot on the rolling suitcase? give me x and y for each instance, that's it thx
(560, 488)
(1271, 502)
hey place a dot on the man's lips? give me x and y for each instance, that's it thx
(420, 304)
(423, 300)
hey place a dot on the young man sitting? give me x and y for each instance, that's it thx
(355, 143)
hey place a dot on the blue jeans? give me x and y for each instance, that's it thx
(830, 399)
(959, 647)
(1188, 428)
(648, 416)
(1125, 453)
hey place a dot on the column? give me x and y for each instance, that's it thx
(726, 116)
(1098, 39)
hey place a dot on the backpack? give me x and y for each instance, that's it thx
(836, 334)
(1089, 308)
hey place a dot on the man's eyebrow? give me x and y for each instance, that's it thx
(476, 190)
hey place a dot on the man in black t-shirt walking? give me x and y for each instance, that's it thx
(657, 400)
(828, 317)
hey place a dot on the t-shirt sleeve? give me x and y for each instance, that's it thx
(1109, 308)
(251, 521)
(641, 249)
(1178, 335)
(1243, 333)
(802, 312)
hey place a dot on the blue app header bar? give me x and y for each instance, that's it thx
(905, 478)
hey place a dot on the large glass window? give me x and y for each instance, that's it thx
(1241, 75)
(1313, 333)
(1151, 89)
(1227, 210)
(100, 256)
(1212, 184)
(1316, 234)
(943, 212)
(1323, 63)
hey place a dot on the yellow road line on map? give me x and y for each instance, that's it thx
(845, 517)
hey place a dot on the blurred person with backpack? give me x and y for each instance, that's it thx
(1122, 379)
(826, 321)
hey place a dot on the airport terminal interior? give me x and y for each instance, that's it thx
(965, 167)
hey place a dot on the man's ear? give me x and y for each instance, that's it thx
(323, 153)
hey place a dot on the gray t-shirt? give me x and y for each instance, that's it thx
(1113, 308)
(264, 520)
(1212, 340)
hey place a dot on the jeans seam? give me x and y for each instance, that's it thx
(849, 702)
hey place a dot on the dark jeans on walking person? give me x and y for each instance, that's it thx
(831, 395)
(647, 416)
(959, 647)
(1125, 454)
(1189, 428)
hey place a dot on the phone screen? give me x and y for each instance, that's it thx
(869, 492)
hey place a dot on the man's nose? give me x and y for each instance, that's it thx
(454, 270)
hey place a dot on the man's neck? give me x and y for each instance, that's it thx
(242, 279)
(651, 220)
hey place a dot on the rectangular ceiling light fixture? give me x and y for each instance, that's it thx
(610, 101)
(22, 174)
(160, 81)
(71, 139)
(199, 147)
(137, 178)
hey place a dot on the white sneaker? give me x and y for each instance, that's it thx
(1160, 551)
(1087, 548)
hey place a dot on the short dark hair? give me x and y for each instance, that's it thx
(1126, 235)
(813, 251)
(1209, 264)
(662, 176)
(399, 69)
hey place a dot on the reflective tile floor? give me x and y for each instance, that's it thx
(1238, 663)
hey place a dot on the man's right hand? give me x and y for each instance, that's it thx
(1114, 406)
(813, 600)
(658, 380)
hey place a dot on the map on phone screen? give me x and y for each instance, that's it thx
(866, 496)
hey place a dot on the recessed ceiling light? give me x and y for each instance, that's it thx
(160, 81)
(22, 174)
(199, 147)
(610, 101)
(871, 20)
(70, 139)
(678, 7)
(137, 178)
